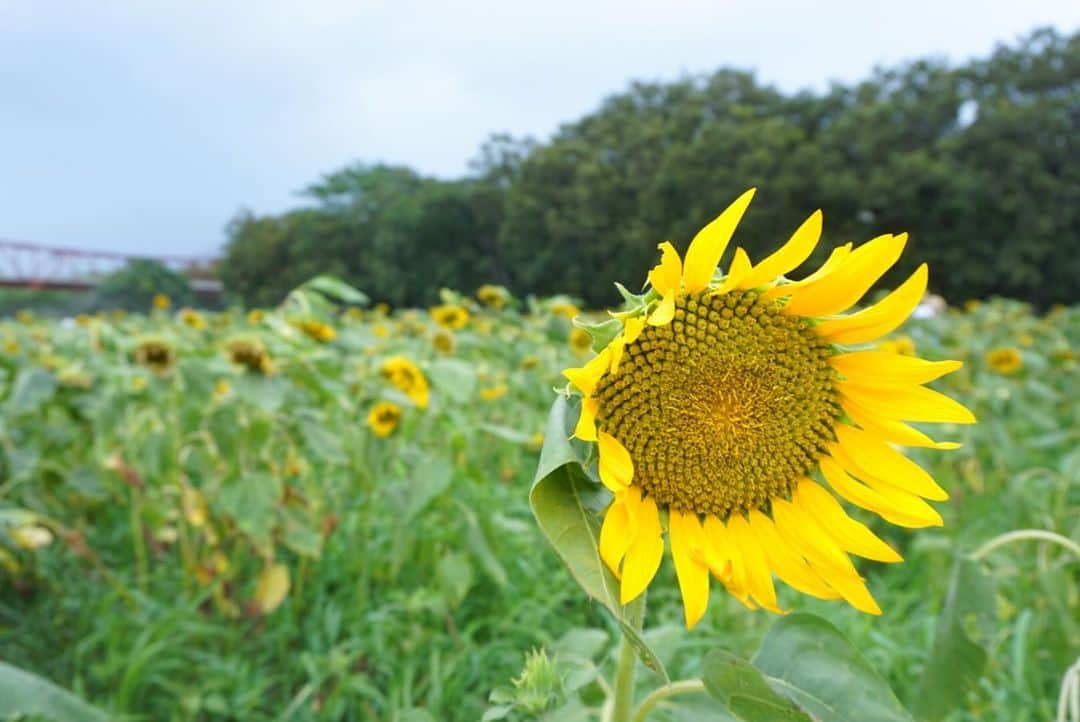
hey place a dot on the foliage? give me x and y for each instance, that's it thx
(134, 286)
(979, 162)
(214, 539)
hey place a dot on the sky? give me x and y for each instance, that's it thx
(143, 126)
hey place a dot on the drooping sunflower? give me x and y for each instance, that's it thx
(725, 401)
(407, 378)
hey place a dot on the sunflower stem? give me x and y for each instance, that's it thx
(684, 686)
(1026, 534)
(624, 677)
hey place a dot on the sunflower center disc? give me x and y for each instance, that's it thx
(724, 408)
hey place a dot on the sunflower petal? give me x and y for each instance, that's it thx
(616, 533)
(666, 276)
(881, 318)
(803, 533)
(788, 565)
(687, 550)
(664, 311)
(895, 432)
(586, 377)
(709, 244)
(895, 506)
(907, 403)
(616, 466)
(645, 551)
(852, 278)
(851, 587)
(874, 459)
(586, 424)
(852, 536)
(790, 256)
(758, 577)
(884, 368)
(740, 266)
(725, 562)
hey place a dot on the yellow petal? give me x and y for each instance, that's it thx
(666, 276)
(645, 551)
(884, 368)
(894, 432)
(724, 563)
(838, 255)
(687, 550)
(709, 244)
(664, 311)
(804, 533)
(881, 318)
(907, 403)
(852, 536)
(616, 348)
(893, 505)
(616, 466)
(586, 424)
(851, 587)
(852, 278)
(758, 577)
(785, 562)
(792, 254)
(632, 328)
(586, 377)
(740, 266)
(874, 459)
(616, 533)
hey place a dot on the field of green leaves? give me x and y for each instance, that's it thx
(321, 512)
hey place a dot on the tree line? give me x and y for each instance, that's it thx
(980, 162)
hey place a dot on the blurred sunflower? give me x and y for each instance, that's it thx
(255, 316)
(251, 354)
(491, 393)
(450, 316)
(494, 296)
(407, 378)
(1005, 360)
(384, 418)
(902, 345)
(580, 340)
(443, 341)
(156, 354)
(317, 330)
(161, 301)
(721, 396)
(564, 308)
(192, 318)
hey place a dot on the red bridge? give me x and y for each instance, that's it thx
(31, 265)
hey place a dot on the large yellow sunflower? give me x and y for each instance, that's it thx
(725, 401)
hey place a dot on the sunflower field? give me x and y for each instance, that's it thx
(329, 511)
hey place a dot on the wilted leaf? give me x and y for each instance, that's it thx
(272, 587)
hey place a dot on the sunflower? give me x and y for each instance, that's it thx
(252, 355)
(721, 398)
(443, 341)
(161, 301)
(384, 418)
(317, 330)
(449, 315)
(156, 354)
(407, 378)
(1006, 360)
(494, 296)
(580, 340)
(192, 318)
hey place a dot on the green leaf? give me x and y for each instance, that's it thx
(744, 690)
(961, 641)
(338, 289)
(429, 479)
(568, 505)
(454, 379)
(251, 500)
(811, 663)
(602, 333)
(23, 694)
(455, 577)
(32, 388)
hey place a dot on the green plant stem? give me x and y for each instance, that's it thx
(138, 540)
(1026, 534)
(684, 686)
(624, 677)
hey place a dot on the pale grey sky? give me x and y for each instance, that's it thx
(143, 126)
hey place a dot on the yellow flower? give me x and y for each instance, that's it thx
(568, 310)
(24, 317)
(161, 301)
(156, 354)
(221, 389)
(727, 401)
(192, 318)
(529, 363)
(11, 346)
(30, 536)
(493, 392)
(902, 345)
(317, 330)
(255, 316)
(138, 383)
(972, 304)
(580, 340)
(251, 354)
(1006, 360)
(382, 308)
(450, 316)
(493, 296)
(443, 341)
(407, 378)
(384, 418)
(380, 330)
(1026, 340)
(536, 442)
(354, 314)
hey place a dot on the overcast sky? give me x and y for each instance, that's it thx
(143, 126)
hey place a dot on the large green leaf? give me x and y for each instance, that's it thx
(32, 388)
(745, 692)
(961, 641)
(337, 289)
(568, 505)
(811, 663)
(23, 694)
